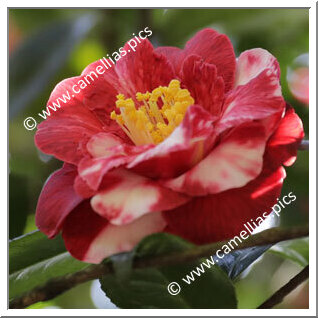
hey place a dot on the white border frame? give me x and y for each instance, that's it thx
(312, 161)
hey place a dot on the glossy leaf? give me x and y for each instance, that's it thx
(32, 248)
(38, 274)
(147, 288)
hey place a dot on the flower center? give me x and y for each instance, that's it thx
(157, 114)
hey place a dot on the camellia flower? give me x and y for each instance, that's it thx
(298, 78)
(299, 84)
(189, 142)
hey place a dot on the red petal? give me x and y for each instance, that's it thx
(125, 196)
(187, 145)
(212, 47)
(100, 93)
(222, 216)
(90, 89)
(204, 85)
(217, 49)
(82, 188)
(91, 238)
(259, 99)
(66, 133)
(143, 70)
(101, 89)
(283, 145)
(252, 62)
(174, 55)
(92, 170)
(56, 201)
(237, 160)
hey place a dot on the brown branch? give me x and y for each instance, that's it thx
(286, 289)
(59, 285)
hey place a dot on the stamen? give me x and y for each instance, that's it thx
(149, 123)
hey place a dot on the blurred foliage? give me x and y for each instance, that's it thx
(18, 212)
(41, 38)
(45, 51)
(295, 250)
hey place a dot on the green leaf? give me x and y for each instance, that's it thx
(295, 250)
(38, 274)
(32, 248)
(34, 259)
(38, 59)
(147, 288)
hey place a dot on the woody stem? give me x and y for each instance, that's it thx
(59, 285)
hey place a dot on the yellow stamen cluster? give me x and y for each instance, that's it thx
(157, 114)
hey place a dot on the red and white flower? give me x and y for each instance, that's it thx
(298, 81)
(189, 141)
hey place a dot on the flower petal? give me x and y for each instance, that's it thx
(204, 85)
(66, 133)
(187, 145)
(57, 200)
(143, 70)
(298, 82)
(222, 216)
(92, 170)
(99, 89)
(91, 238)
(174, 55)
(212, 47)
(99, 93)
(82, 188)
(252, 62)
(260, 98)
(125, 196)
(283, 145)
(100, 144)
(217, 49)
(237, 160)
